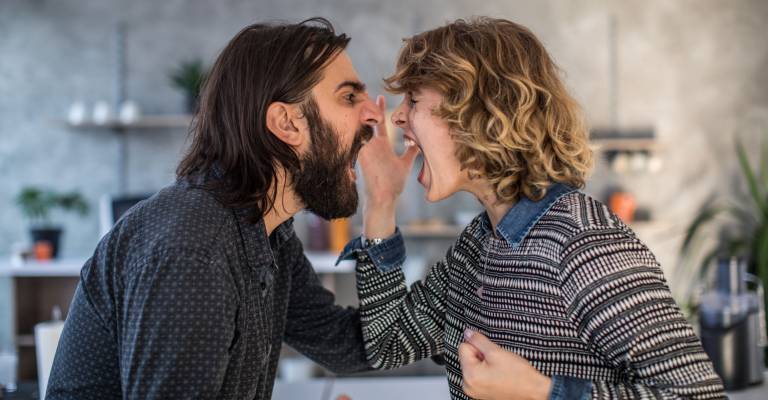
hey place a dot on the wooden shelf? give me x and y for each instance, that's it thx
(27, 340)
(146, 122)
(33, 300)
(608, 139)
(622, 144)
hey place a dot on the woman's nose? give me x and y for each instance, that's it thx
(398, 117)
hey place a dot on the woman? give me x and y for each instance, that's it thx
(577, 303)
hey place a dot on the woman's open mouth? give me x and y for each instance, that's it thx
(409, 141)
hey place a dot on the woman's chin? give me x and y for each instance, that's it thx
(433, 196)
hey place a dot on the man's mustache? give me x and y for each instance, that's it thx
(364, 134)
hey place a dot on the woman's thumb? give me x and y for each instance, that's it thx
(480, 341)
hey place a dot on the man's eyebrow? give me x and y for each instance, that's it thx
(357, 86)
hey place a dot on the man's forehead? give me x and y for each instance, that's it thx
(340, 73)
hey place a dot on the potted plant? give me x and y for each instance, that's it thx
(741, 225)
(189, 77)
(37, 204)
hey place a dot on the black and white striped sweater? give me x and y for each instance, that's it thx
(578, 296)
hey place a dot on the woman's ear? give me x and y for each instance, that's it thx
(287, 123)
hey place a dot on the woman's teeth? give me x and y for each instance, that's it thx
(409, 142)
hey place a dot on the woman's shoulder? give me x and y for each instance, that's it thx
(580, 211)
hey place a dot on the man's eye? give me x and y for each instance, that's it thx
(350, 98)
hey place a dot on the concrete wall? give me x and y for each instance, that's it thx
(695, 70)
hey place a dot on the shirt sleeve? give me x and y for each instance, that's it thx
(318, 328)
(176, 327)
(619, 302)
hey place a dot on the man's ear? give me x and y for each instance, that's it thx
(287, 123)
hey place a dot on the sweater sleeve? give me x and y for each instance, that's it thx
(622, 308)
(400, 326)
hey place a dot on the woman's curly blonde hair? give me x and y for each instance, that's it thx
(510, 115)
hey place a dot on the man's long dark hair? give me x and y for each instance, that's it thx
(262, 64)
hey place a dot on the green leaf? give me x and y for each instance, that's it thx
(764, 166)
(737, 246)
(754, 188)
(73, 201)
(189, 76)
(746, 216)
(702, 218)
(37, 204)
(706, 264)
(760, 247)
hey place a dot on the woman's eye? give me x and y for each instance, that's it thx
(411, 102)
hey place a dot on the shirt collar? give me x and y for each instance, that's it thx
(519, 220)
(283, 232)
(279, 236)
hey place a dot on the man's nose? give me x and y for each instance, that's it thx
(371, 114)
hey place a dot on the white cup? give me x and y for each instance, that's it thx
(76, 113)
(129, 112)
(8, 364)
(101, 113)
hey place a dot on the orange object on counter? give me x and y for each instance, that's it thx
(623, 204)
(339, 234)
(43, 250)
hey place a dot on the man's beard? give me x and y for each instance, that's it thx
(323, 182)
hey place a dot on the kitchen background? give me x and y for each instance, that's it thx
(667, 85)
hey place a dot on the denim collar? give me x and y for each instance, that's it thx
(519, 220)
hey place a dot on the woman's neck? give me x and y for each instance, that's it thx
(496, 210)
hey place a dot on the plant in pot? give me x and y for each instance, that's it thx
(740, 226)
(37, 205)
(189, 77)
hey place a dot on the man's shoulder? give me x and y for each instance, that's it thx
(178, 216)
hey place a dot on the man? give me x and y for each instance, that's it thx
(192, 292)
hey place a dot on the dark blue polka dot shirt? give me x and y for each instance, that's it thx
(185, 298)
